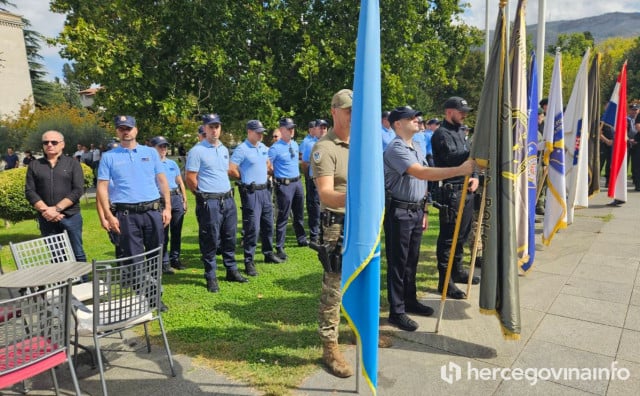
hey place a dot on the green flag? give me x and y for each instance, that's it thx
(493, 148)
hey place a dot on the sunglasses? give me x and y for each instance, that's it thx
(293, 155)
(53, 142)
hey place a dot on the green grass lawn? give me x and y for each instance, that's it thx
(262, 332)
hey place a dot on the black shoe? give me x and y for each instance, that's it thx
(452, 289)
(177, 264)
(167, 270)
(272, 258)
(212, 285)
(303, 243)
(418, 308)
(281, 254)
(163, 307)
(403, 322)
(314, 240)
(250, 269)
(615, 202)
(235, 276)
(463, 277)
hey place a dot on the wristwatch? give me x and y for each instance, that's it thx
(58, 209)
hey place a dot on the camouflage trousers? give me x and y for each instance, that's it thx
(331, 294)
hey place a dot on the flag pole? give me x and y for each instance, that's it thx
(456, 232)
(474, 251)
(543, 179)
(357, 368)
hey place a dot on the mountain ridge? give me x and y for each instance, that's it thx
(602, 27)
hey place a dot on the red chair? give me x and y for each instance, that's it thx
(35, 336)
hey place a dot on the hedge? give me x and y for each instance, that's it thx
(14, 206)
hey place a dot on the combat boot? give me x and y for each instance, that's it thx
(334, 360)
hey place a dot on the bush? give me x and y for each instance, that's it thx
(14, 206)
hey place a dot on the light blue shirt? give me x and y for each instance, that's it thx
(212, 164)
(387, 136)
(132, 174)
(428, 134)
(172, 171)
(305, 149)
(252, 162)
(284, 157)
(420, 139)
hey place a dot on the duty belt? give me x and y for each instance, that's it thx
(175, 191)
(205, 195)
(140, 207)
(330, 218)
(395, 203)
(286, 181)
(253, 186)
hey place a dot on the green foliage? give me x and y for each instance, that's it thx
(13, 203)
(76, 124)
(166, 62)
(633, 72)
(614, 52)
(575, 44)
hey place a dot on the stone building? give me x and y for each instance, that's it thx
(15, 82)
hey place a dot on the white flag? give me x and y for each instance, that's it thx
(576, 136)
(555, 211)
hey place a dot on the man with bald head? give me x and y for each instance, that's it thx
(54, 186)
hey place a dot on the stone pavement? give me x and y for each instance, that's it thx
(580, 308)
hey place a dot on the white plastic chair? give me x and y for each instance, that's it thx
(129, 295)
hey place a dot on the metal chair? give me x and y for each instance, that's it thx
(129, 295)
(35, 339)
(48, 250)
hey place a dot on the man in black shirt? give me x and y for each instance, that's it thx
(451, 149)
(54, 186)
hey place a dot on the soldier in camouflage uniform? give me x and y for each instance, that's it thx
(329, 158)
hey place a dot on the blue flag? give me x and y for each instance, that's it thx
(532, 160)
(365, 196)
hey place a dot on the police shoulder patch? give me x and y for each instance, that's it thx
(316, 156)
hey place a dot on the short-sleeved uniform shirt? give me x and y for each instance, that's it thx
(172, 170)
(330, 157)
(212, 164)
(305, 150)
(398, 157)
(285, 159)
(252, 162)
(132, 174)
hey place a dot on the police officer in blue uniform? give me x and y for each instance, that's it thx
(406, 172)
(284, 155)
(131, 187)
(450, 148)
(311, 193)
(171, 257)
(207, 177)
(250, 163)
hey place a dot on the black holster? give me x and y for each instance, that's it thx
(329, 254)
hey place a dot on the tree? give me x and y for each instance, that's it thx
(169, 61)
(575, 44)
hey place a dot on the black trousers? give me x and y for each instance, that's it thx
(403, 234)
(447, 228)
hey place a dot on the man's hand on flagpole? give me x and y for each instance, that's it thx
(474, 182)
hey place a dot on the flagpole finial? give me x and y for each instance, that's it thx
(503, 3)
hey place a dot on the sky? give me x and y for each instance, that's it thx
(50, 24)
